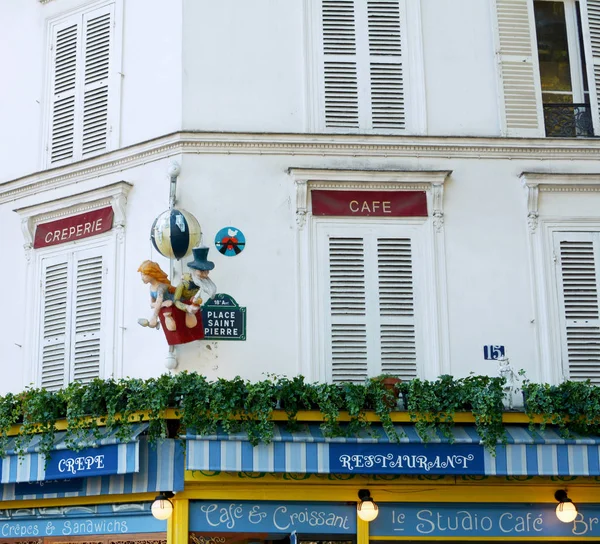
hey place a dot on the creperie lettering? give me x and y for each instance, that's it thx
(73, 228)
(374, 206)
(65, 234)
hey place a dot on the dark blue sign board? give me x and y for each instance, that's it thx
(349, 458)
(482, 520)
(64, 464)
(74, 485)
(223, 319)
(272, 517)
(493, 352)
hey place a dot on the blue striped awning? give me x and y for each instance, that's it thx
(526, 453)
(160, 465)
(99, 455)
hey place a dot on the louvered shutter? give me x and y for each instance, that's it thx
(386, 64)
(55, 322)
(517, 55)
(65, 51)
(81, 71)
(347, 295)
(590, 19)
(371, 305)
(363, 77)
(396, 307)
(577, 258)
(340, 64)
(97, 38)
(86, 352)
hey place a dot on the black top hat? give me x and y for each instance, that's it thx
(200, 262)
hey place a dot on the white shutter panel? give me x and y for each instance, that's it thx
(55, 320)
(97, 38)
(65, 48)
(370, 290)
(577, 257)
(385, 64)
(519, 72)
(87, 315)
(340, 64)
(348, 309)
(590, 21)
(396, 307)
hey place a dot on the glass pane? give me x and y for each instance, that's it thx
(553, 51)
(557, 98)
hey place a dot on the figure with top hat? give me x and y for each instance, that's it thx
(178, 308)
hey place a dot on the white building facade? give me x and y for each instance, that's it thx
(484, 111)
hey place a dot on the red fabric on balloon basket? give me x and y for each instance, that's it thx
(183, 334)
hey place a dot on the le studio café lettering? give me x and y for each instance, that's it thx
(74, 227)
(369, 203)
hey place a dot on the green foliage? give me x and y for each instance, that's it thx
(574, 407)
(203, 407)
(432, 406)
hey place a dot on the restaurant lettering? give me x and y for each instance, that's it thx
(66, 528)
(390, 460)
(385, 458)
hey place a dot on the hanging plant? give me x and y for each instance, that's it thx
(574, 407)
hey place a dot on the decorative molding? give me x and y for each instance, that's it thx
(332, 145)
(536, 182)
(114, 195)
(301, 201)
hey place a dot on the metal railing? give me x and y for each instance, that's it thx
(568, 120)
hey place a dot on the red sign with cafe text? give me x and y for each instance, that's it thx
(74, 227)
(370, 203)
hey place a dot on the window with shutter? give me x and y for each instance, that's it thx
(370, 288)
(519, 87)
(80, 91)
(549, 53)
(72, 289)
(577, 257)
(363, 64)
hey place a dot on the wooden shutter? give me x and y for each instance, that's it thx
(340, 64)
(55, 322)
(577, 255)
(396, 307)
(87, 315)
(371, 304)
(590, 21)
(386, 64)
(80, 85)
(519, 73)
(65, 49)
(347, 292)
(96, 65)
(363, 64)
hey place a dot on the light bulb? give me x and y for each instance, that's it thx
(162, 508)
(566, 512)
(367, 510)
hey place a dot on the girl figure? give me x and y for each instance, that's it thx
(161, 296)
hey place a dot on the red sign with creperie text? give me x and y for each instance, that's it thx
(369, 203)
(73, 228)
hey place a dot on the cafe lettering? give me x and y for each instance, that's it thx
(369, 203)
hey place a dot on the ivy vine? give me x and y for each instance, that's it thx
(188, 403)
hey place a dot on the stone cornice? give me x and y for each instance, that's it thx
(298, 145)
(536, 182)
